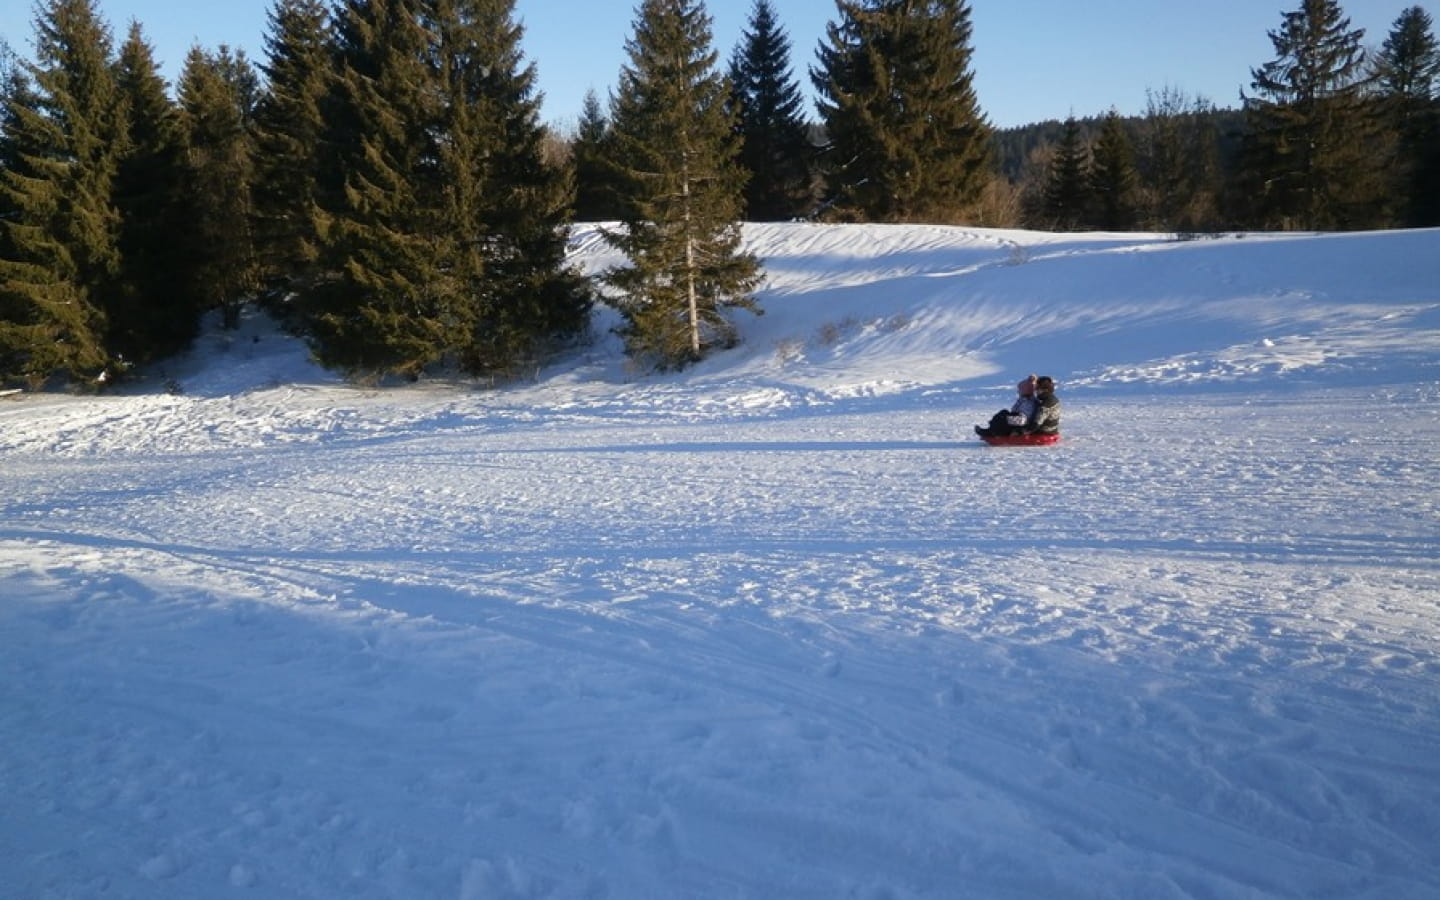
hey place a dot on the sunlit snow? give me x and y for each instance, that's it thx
(777, 626)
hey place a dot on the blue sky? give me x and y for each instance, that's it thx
(1034, 59)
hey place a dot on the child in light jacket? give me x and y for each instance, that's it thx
(1020, 417)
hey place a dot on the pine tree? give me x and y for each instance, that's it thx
(1067, 186)
(15, 93)
(62, 258)
(1311, 141)
(155, 313)
(1408, 71)
(675, 135)
(907, 140)
(503, 191)
(596, 198)
(216, 93)
(1113, 178)
(442, 230)
(1409, 61)
(287, 139)
(776, 150)
(388, 300)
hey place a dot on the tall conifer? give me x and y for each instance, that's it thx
(287, 134)
(1113, 178)
(15, 310)
(502, 192)
(775, 150)
(907, 140)
(155, 312)
(1408, 70)
(596, 199)
(676, 139)
(1311, 140)
(216, 99)
(388, 301)
(1067, 188)
(62, 261)
(442, 228)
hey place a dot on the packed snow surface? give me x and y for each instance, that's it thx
(777, 626)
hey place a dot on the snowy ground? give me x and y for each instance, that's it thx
(778, 627)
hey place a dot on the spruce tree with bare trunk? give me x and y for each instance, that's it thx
(675, 143)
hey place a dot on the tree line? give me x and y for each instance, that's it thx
(1328, 138)
(382, 182)
(382, 187)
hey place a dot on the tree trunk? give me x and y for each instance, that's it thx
(690, 258)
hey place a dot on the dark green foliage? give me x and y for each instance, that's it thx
(216, 97)
(287, 133)
(155, 312)
(392, 298)
(1409, 61)
(907, 141)
(1066, 200)
(1408, 69)
(1180, 161)
(13, 87)
(513, 203)
(15, 310)
(776, 150)
(596, 197)
(441, 238)
(676, 140)
(1113, 178)
(1312, 141)
(62, 259)
(1014, 148)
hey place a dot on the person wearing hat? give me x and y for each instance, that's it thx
(1047, 408)
(1019, 416)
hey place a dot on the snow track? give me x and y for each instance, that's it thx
(744, 633)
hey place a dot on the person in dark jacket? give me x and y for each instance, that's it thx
(1047, 408)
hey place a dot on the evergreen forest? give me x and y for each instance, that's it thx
(380, 180)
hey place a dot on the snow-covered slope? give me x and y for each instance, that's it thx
(773, 627)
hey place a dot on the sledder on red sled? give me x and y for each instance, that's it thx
(1033, 420)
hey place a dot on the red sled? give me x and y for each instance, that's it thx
(1021, 440)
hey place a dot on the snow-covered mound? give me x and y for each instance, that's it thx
(890, 307)
(773, 627)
